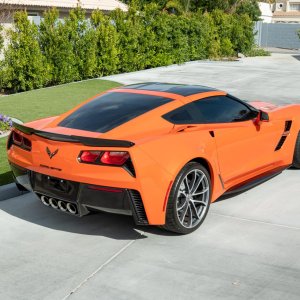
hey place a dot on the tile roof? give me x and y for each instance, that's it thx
(86, 4)
(286, 14)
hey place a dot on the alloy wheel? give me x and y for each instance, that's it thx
(193, 198)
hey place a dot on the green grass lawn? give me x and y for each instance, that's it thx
(43, 103)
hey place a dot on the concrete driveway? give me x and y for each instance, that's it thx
(248, 247)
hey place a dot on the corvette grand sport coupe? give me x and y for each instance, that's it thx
(159, 152)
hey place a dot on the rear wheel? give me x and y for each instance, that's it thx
(189, 199)
(296, 159)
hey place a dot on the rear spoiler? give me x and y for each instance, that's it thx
(87, 141)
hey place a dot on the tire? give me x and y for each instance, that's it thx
(189, 199)
(296, 159)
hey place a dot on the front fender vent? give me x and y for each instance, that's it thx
(287, 128)
(280, 144)
(288, 125)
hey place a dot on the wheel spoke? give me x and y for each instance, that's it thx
(194, 180)
(195, 209)
(184, 214)
(200, 193)
(182, 192)
(200, 202)
(182, 206)
(196, 185)
(187, 185)
(191, 217)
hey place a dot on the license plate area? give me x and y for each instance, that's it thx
(55, 187)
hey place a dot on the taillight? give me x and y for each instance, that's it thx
(26, 144)
(17, 139)
(113, 158)
(21, 141)
(89, 157)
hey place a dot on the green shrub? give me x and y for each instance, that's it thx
(256, 51)
(76, 48)
(213, 45)
(130, 30)
(83, 40)
(57, 49)
(199, 37)
(1, 38)
(24, 65)
(157, 43)
(242, 33)
(106, 42)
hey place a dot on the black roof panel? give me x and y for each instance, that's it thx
(180, 89)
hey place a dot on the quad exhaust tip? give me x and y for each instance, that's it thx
(45, 200)
(72, 208)
(58, 204)
(53, 203)
(62, 206)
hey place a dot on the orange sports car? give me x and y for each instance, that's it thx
(159, 152)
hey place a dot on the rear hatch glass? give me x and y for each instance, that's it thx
(111, 110)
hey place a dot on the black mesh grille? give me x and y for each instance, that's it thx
(139, 210)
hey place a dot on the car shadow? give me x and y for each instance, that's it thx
(296, 56)
(5, 178)
(234, 194)
(28, 207)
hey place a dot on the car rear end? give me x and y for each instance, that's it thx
(77, 174)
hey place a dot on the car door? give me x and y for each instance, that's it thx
(244, 147)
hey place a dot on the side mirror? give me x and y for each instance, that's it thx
(264, 117)
(261, 117)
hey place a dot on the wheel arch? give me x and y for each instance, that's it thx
(205, 163)
(213, 171)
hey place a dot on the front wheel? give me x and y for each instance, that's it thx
(189, 199)
(296, 158)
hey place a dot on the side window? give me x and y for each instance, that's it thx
(219, 109)
(180, 116)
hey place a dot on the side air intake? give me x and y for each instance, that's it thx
(287, 128)
(288, 125)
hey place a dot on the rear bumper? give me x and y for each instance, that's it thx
(85, 197)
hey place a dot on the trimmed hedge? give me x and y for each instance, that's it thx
(78, 48)
(1, 38)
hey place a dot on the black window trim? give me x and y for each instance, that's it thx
(252, 108)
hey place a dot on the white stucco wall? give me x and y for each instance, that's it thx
(266, 12)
